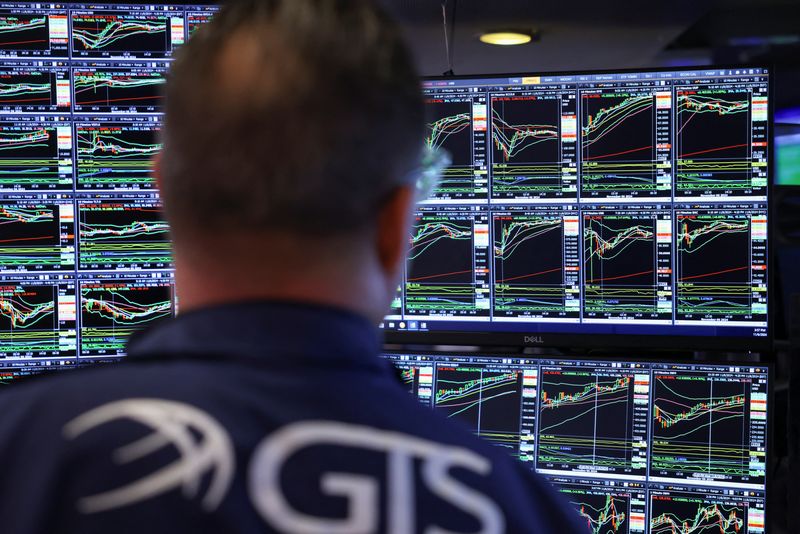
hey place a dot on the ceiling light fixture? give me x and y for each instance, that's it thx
(507, 37)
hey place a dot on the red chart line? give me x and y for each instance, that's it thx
(3, 101)
(713, 150)
(109, 100)
(619, 277)
(715, 273)
(26, 239)
(437, 275)
(23, 42)
(621, 153)
(529, 275)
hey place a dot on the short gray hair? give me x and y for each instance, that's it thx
(290, 115)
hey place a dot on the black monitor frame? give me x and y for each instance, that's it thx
(621, 341)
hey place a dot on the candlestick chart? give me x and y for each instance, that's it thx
(31, 159)
(714, 266)
(94, 34)
(122, 235)
(700, 426)
(116, 156)
(31, 237)
(688, 515)
(603, 514)
(440, 273)
(586, 420)
(110, 89)
(112, 311)
(450, 128)
(529, 264)
(618, 144)
(620, 264)
(488, 401)
(713, 141)
(526, 146)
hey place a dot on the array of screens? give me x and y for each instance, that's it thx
(84, 254)
(635, 447)
(618, 204)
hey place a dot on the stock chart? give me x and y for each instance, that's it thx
(456, 124)
(623, 135)
(35, 154)
(718, 149)
(106, 90)
(704, 427)
(606, 195)
(441, 274)
(112, 308)
(633, 446)
(535, 274)
(527, 147)
(116, 154)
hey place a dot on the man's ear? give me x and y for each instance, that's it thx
(393, 226)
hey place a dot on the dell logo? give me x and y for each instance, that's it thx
(536, 340)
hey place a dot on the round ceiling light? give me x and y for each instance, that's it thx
(506, 38)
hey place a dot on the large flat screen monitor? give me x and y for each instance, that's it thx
(84, 252)
(594, 208)
(635, 446)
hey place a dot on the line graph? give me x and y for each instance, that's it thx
(700, 426)
(122, 235)
(488, 401)
(693, 516)
(31, 157)
(621, 264)
(450, 127)
(618, 143)
(714, 266)
(108, 90)
(102, 33)
(30, 88)
(29, 319)
(32, 238)
(116, 156)
(526, 140)
(112, 311)
(529, 265)
(586, 421)
(440, 270)
(24, 32)
(713, 141)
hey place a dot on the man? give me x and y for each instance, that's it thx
(291, 152)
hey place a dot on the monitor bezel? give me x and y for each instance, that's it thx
(621, 341)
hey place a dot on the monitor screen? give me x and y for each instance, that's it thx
(84, 255)
(609, 208)
(637, 446)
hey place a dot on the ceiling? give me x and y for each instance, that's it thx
(594, 35)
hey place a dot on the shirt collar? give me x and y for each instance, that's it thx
(275, 333)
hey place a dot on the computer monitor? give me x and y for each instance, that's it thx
(84, 258)
(615, 209)
(635, 446)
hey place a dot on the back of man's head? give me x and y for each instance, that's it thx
(291, 116)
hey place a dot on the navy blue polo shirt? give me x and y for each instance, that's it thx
(257, 417)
